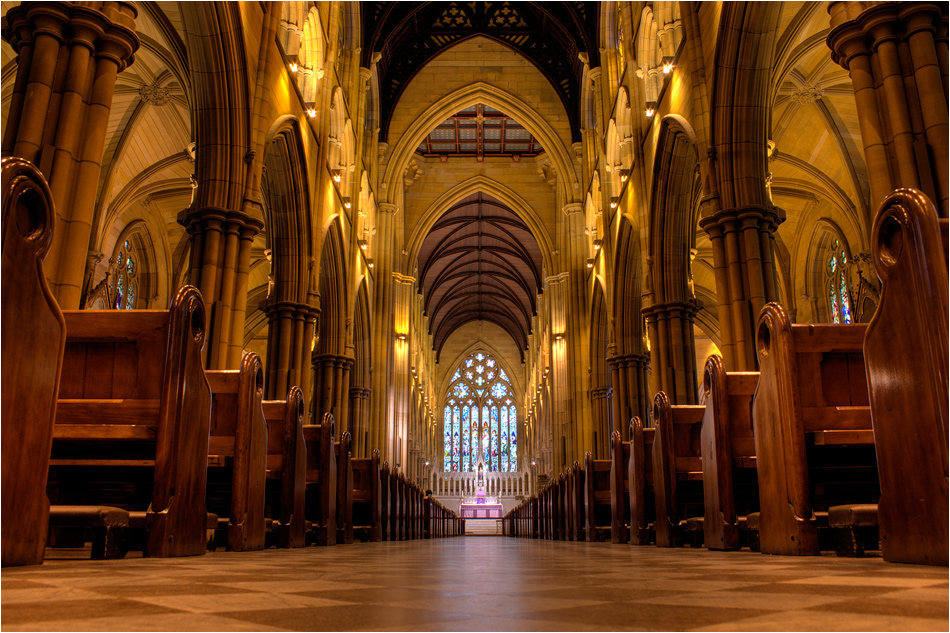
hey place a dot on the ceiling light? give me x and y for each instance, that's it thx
(651, 108)
(667, 65)
(293, 67)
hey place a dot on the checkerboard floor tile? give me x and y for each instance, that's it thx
(475, 584)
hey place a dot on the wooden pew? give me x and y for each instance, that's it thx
(597, 498)
(619, 489)
(576, 505)
(321, 480)
(344, 490)
(905, 351)
(560, 507)
(237, 453)
(34, 335)
(730, 482)
(134, 407)
(677, 470)
(396, 507)
(642, 493)
(812, 425)
(287, 468)
(385, 503)
(366, 498)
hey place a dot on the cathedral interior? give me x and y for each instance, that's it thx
(490, 245)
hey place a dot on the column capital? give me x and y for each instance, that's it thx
(387, 207)
(572, 208)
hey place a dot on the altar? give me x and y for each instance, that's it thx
(481, 511)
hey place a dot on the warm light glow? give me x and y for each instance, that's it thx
(667, 68)
(590, 264)
(311, 112)
(650, 112)
(346, 203)
(293, 67)
(337, 177)
(558, 337)
(369, 263)
(597, 244)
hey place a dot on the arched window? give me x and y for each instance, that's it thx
(839, 295)
(122, 287)
(480, 418)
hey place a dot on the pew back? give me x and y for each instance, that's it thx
(287, 467)
(34, 335)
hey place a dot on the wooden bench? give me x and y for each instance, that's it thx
(385, 503)
(576, 506)
(597, 508)
(366, 498)
(642, 493)
(344, 489)
(321, 490)
(619, 489)
(812, 425)
(286, 497)
(134, 409)
(237, 453)
(905, 351)
(396, 507)
(34, 335)
(677, 471)
(730, 481)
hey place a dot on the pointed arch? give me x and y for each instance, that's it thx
(481, 92)
(673, 210)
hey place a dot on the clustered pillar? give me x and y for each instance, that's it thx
(670, 328)
(290, 328)
(220, 260)
(631, 397)
(68, 58)
(743, 243)
(331, 388)
(896, 55)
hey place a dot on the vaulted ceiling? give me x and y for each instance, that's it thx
(480, 262)
(550, 34)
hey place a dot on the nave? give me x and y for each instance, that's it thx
(476, 584)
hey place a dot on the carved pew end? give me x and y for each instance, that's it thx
(107, 524)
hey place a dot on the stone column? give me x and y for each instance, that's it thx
(382, 336)
(600, 406)
(743, 246)
(893, 52)
(220, 261)
(673, 356)
(290, 328)
(68, 58)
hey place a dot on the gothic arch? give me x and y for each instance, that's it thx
(286, 212)
(628, 290)
(600, 378)
(481, 92)
(333, 292)
(744, 54)
(673, 210)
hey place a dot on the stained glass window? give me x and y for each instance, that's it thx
(480, 418)
(123, 282)
(839, 294)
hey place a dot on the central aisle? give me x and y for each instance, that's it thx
(475, 584)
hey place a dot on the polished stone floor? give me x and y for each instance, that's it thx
(476, 584)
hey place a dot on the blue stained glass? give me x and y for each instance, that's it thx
(474, 436)
(457, 375)
(833, 296)
(486, 455)
(833, 263)
(845, 301)
(119, 294)
(499, 390)
(512, 418)
(131, 300)
(504, 376)
(447, 453)
(479, 357)
(466, 441)
(130, 266)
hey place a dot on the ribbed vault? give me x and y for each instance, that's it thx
(480, 262)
